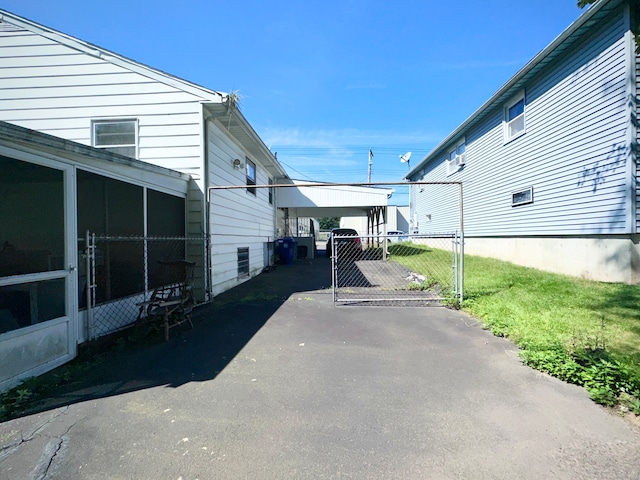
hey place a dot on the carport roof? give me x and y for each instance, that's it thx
(315, 199)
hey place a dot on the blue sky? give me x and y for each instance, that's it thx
(322, 82)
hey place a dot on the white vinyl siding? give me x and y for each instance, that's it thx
(55, 89)
(573, 154)
(238, 218)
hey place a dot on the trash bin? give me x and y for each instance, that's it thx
(286, 249)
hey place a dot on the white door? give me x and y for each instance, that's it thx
(38, 258)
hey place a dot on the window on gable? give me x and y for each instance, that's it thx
(515, 118)
(251, 176)
(117, 136)
(270, 192)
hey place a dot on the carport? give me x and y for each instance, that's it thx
(315, 199)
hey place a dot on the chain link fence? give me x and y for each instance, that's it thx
(117, 273)
(416, 270)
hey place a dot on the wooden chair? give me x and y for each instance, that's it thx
(173, 302)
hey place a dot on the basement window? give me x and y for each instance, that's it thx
(522, 197)
(243, 262)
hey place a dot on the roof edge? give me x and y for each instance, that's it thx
(109, 56)
(530, 65)
(217, 110)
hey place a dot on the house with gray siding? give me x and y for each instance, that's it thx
(549, 163)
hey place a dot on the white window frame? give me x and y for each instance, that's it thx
(527, 190)
(521, 97)
(101, 121)
(251, 181)
(456, 157)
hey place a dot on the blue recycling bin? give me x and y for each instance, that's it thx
(286, 250)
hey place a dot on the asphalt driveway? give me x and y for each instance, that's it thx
(275, 382)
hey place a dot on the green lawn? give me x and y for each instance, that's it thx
(581, 331)
(535, 308)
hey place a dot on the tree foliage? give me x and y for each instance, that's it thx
(584, 3)
(327, 223)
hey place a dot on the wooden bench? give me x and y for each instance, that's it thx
(173, 303)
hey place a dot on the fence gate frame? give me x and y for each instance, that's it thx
(373, 274)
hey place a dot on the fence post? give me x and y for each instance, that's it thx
(461, 200)
(461, 290)
(334, 269)
(145, 248)
(90, 255)
(455, 279)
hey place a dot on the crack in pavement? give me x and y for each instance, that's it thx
(10, 448)
(54, 450)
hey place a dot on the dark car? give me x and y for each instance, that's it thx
(347, 241)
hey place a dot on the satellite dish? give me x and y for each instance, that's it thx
(405, 159)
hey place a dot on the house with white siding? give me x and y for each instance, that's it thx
(60, 85)
(92, 142)
(549, 163)
(51, 191)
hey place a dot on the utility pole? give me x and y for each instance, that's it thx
(370, 165)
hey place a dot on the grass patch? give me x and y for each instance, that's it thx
(580, 331)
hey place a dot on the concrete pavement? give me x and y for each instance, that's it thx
(275, 382)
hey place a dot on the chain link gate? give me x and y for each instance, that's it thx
(120, 272)
(418, 270)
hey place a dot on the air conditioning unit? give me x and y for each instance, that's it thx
(455, 164)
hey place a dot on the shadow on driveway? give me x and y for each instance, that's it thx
(139, 358)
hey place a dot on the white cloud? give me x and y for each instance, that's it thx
(341, 138)
(366, 86)
(341, 155)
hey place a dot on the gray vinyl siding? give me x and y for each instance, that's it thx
(637, 143)
(572, 154)
(55, 89)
